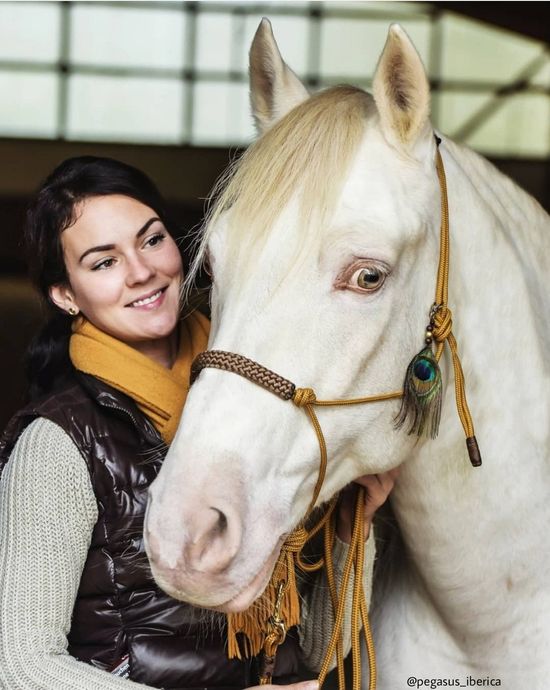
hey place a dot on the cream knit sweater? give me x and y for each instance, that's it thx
(47, 513)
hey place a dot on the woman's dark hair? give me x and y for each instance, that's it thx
(53, 211)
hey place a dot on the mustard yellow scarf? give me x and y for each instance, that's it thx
(160, 393)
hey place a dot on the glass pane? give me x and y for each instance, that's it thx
(350, 48)
(125, 109)
(382, 8)
(454, 109)
(213, 42)
(127, 37)
(473, 51)
(221, 114)
(29, 31)
(281, 4)
(520, 127)
(29, 105)
(291, 34)
(267, 7)
(542, 77)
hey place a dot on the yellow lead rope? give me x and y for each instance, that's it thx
(443, 319)
(305, 397)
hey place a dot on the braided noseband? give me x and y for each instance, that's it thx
(238, 364)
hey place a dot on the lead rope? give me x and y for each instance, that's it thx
(305, 397)
(442, 319)
(267, 630)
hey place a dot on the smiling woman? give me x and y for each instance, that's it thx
(128, 286)
(109, 377)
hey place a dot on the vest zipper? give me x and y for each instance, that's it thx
(114, 406)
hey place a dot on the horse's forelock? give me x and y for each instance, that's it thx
(308, 152)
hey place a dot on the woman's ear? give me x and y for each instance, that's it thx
(61, 295)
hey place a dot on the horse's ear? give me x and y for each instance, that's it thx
(274, 88)
(401, 91)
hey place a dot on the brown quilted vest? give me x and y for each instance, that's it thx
(119, 610)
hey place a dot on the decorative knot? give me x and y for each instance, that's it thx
(303, 397)
(443, 323)
(295, 541)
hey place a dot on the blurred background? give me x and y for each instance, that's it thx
(164, 86)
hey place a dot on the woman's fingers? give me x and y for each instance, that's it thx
(377, 488)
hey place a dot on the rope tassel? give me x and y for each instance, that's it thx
(254, 623)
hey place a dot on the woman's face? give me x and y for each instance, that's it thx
(124, 270)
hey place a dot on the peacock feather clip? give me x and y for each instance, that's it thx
(422, 392)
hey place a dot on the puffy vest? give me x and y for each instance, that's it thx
(121, 619)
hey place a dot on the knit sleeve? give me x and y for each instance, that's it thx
(317, 616)
(47, 514)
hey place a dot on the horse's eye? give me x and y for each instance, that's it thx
(370, 278)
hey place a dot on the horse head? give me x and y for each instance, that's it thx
(323, 246)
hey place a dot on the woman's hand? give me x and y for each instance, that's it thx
(378, 487)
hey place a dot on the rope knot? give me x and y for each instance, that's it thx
(295, 541)
(443, 323)
(303, 397)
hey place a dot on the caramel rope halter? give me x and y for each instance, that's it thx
(290, 552)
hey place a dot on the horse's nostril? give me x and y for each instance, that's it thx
(213, 538)
(221, 525)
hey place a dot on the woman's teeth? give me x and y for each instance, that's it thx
(147, 300)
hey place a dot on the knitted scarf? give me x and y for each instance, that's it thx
(160, 393)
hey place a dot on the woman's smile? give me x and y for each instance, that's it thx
(152, 300)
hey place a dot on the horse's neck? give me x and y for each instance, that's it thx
(498, 292)
(500, 239)
(458, 520)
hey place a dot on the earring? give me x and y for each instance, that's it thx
(72, 311)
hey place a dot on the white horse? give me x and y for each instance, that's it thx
(339, 186)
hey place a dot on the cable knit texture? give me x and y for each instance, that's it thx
(47, 513)
(314, 638)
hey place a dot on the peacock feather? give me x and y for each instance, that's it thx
(421, 402)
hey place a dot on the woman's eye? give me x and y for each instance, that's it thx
(106, 263)
(369, 278)
(155, 239)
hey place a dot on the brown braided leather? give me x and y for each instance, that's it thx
(238, 364)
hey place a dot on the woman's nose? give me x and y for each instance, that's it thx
(139, 271)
